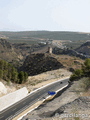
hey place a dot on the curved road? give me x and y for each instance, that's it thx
(28, 101)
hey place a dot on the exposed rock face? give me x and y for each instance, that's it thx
(86, 44)
(12, 98)
(79, 104)
(23, 48)
(84, 48)
(38, 63)
(3, 89)
(8, 52)
(4, 44)
(67, 102)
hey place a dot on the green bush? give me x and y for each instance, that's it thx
(77, 74)
(83, 72)
(22, 77)
(86, 68)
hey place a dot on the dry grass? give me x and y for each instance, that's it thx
(81, 88)
(69, 61)
(40, 80)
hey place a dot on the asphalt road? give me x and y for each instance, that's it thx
(28, 101)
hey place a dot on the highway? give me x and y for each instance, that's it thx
(28, 101)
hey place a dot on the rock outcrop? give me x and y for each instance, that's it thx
(8, 52)
(3, 89)
(39, 63)
(84, 48)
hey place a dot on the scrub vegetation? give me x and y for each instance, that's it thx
(83, 73)
(10, 73)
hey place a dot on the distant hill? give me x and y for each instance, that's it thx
(37, 35)
(84, 48)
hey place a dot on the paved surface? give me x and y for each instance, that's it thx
(17, 108)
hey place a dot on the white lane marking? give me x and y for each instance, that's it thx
(9, 118)
(38, 105)
(62, 79)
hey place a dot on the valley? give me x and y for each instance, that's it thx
(46, 56)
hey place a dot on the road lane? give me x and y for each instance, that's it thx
(31, 99)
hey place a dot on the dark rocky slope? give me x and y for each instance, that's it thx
(84, 48)
(38, 63)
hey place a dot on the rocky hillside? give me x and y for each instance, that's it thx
(84, 48)
(38, 63)
(69, 62)
(8, 52)
(16, 54)
(19, 51)
(26, 49)
(80, 104)
(5, 45)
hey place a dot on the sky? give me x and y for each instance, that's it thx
(51, 15)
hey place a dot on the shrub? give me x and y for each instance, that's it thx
(83, 72)
(8, 72)
(86, 68)
(77, 74)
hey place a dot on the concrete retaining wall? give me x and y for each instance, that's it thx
(3, 89)
(12, 98)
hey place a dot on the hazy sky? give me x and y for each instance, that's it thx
(55, 15)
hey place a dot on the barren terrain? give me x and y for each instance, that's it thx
(70, 104)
